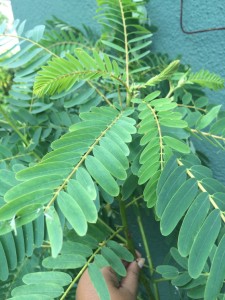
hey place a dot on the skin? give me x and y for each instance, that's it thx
(124, 290)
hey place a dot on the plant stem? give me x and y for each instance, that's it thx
(112, 231)
(134, 200)
(100, 94)
(30, 41)
(161, 280)
(147, 250)
(123, 216)
(203, 189)
(14, 127)
(130, 246)
(126, 49)
(88, 262)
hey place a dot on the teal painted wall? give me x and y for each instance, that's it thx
(204, 50)
(75, 12)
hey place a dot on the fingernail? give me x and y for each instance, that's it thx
(141, 262)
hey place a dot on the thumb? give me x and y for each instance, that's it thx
(130, 282)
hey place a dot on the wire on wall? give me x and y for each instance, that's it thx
(193, 31)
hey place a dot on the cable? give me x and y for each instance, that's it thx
(194, 31)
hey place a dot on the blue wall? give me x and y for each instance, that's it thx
(202, 50)
(75, 12)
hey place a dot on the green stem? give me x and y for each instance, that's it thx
(130, 246)
(88, 262)
(173, 89)
(14, 127)
(29, 41)
(147, 250)
(134, 200)
(145, 281)
(100, 94)
(161, 280)
(128, 101)
(112, 231)
(123, 216)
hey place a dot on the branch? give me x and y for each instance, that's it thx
(201, 187)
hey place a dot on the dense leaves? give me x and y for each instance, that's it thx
(90, 127)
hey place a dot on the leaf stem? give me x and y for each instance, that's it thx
(14, 127)
(126, 49)
(123, 216)
(101, 245)
(208, 134)
(30, 41)
(134, 200)
(100, 94)
(62, 186)
(202, 188)
(147, 250)
(161, 280)
(120, 237)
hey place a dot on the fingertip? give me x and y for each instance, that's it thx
(130, 282)
(140, 262)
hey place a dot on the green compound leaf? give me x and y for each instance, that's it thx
(59, 278)
(121, 251)
(102, 175)
(82, 197)
(196, 292)
(207, 119)
(4, 270)
(217, 273)
(178, 205)
(54, 229)
(98, 282)
(203, 243)
(206, 79)
(64, 261)
(176, 144)
(114, 261)
(167, 271)
(48, 289)
(181, 279)
(73, 213)
(168, 188)
(31, 296)
(192, 222)
(165, 74)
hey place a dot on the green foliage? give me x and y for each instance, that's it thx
(90, 127)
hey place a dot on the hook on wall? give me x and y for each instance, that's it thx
(194, 31)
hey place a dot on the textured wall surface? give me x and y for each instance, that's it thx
(203, 50)
(75, 12)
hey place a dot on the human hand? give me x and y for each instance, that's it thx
(126, 289)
